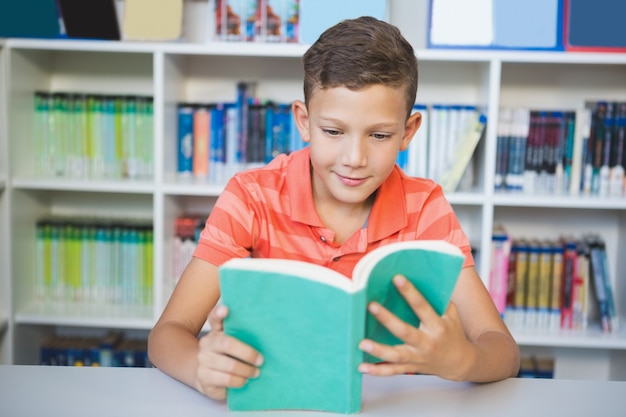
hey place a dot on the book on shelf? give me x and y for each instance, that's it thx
(575, 152)
(581, 136)
(152, 20)
(111, 349)
(462, 152)
(307, 320)
(581, 291)
(544, 285)
(532, 284)
(603, 291)
(218, 139)
(557, 283)
(96, 19)
(560, 283)
(499, 271)
(18, 19)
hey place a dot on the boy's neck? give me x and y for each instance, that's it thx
(344, 220)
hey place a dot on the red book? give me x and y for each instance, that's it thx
(570, 262)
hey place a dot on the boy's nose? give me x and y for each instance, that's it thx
(355, 154)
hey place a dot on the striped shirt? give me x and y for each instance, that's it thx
(269, 213)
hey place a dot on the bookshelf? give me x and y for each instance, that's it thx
(5, 273)
(174, 72)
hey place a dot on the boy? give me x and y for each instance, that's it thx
(331, 203)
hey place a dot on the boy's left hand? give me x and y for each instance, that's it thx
(437, 347)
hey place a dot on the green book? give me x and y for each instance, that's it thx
(307, 320)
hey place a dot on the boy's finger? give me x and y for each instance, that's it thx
(216, 317)
(400, 329)
(420, 306)
(221, 344)
(227, 365)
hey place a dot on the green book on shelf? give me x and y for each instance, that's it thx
(307, 320)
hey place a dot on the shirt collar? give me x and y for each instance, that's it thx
(300, 189)
(388, 214)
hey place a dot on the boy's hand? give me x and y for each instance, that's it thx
(223, 361)
(438, 347)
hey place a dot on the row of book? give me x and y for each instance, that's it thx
(94, 260)
(257, 20)
(536, 367)
(186, 233)
(113, 349)
(563, 283)
(562, 152)
(216, 140)
(79, 135)
(443, 147)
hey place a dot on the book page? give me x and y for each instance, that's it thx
(432, 266)
(295, 269)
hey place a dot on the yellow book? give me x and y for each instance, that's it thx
(152, 20)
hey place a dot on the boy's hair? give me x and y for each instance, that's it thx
(359, 52)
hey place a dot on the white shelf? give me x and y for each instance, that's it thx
(86, 315)
(269, 50)
(67, 184)
(559, 201)
(466, 198)
(591, 338)
(192, 187)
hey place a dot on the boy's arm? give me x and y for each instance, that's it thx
(470, 342)
(216, 361)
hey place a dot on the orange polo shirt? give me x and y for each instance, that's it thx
(269, 213)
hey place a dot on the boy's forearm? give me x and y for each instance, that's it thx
(175, 351)
(496, 356)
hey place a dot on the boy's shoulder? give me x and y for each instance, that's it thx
(416, 184)
(275, 172)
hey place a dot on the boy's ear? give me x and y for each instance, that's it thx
(410, 128)
(301, 117)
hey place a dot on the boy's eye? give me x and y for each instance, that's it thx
(332, 132)
(380, 136)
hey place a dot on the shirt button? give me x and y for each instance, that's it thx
(336, 258)
(323, 239)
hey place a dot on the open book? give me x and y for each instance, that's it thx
(307, 320)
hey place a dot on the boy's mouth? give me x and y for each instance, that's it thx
(351, 182)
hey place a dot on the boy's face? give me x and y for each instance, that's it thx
(354, 138)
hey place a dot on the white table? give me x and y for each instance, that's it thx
(115, 392)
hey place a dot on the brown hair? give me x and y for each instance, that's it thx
(359, 52)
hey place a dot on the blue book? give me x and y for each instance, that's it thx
(185, 139)
(496, 24)
(18, 19)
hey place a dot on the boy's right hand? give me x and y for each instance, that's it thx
(224, 361)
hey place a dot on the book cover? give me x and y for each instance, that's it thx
(600, 276)
(570, 263)
(532, 285)
(496, 24)
(462, 153)
(516, 152)
(18, 19)
(544, 285)
(594, 26)
(152, 20)
(521, 283)
(307, 320)
(557, 282)
(581, 134)
(499, 271)
(96, 19)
